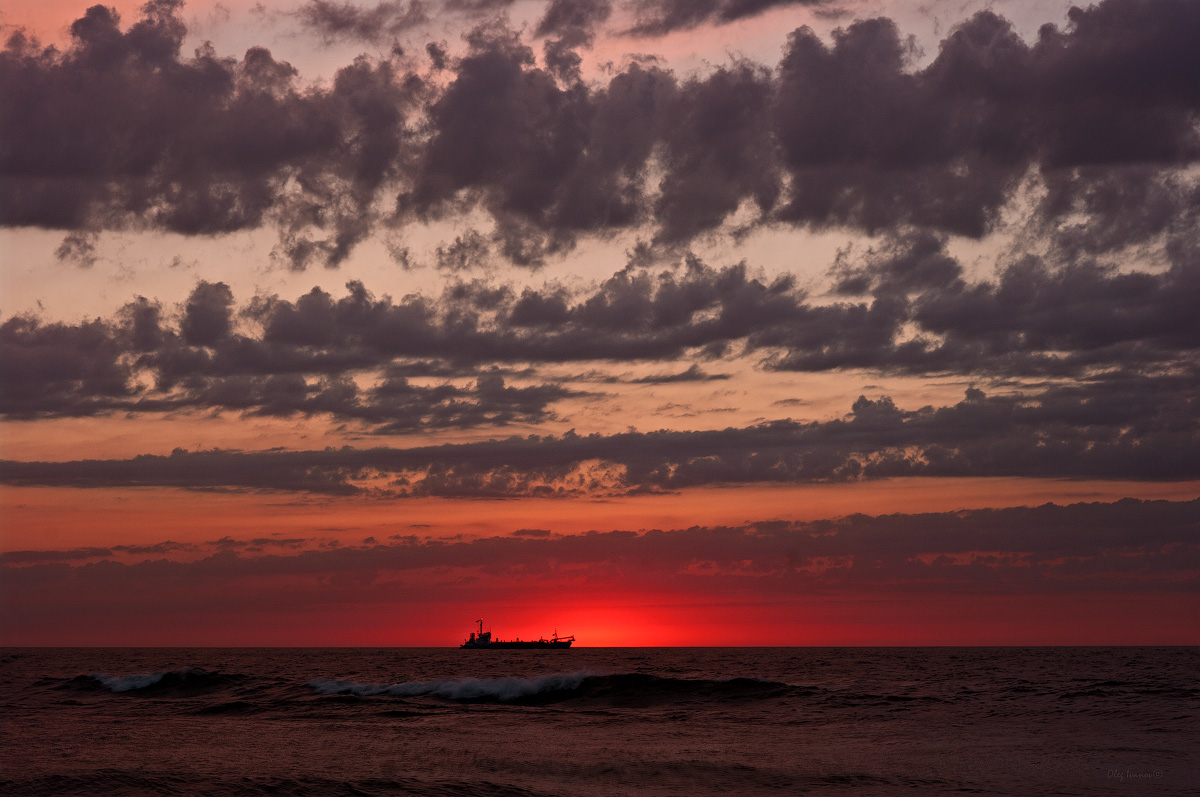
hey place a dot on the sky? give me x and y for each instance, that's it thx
(655, 322)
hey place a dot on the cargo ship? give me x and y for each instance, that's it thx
(483, 639)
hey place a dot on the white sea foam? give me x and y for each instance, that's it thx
(510, 688)
(129, 683)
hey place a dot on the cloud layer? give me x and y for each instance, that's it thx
(1127, 546)
(1016, 299)
(1100, 350)
(1062, 433)
(1100, 116)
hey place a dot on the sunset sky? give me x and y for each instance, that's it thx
(655, 322)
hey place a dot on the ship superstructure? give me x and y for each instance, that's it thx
(483, 639)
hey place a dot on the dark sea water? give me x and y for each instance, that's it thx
(596, 721)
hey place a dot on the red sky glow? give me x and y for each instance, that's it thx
(805, 322)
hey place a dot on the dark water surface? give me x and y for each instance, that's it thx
(600, 721)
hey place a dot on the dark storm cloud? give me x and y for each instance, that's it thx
(260, 543)
(1129, 545)
(872, 145)
(387, 20)
(392, 406)
(67, 369)
(158, 549)
(477, 7)
(334, 20)
(469, 252)
(717, 152)
(1093, 210)
(207, 318)
(1034, 317)
(79, 249)
(574, 22)
(1142, 429)
(573, 17)
(903, 307)
(31, 557)
(693, 374)
(277, 357)
(660, 17)
(846, 133)
(532, 533)
(1101, 113)
(506, 131)
(119, 131)
(303, 364)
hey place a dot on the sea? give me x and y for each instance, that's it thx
(600, 721)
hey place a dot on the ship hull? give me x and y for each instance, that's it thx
(559, 645)
(483, 639)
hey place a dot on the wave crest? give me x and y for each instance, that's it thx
(500, 689)
(185, 679)
(617, 690)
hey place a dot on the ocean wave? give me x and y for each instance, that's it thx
(185, 679)
(633, 690)
(622, 689)
(499, 689)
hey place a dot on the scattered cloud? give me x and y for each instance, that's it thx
(660, 17)
(1129, 545)
(843, 133)
(333, 20)
(1102, 431)
(905, 308)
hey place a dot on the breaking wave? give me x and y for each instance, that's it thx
(499, 689)
(628, 689)
(183, 680)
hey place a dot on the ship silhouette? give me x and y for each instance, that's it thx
(483, 639)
